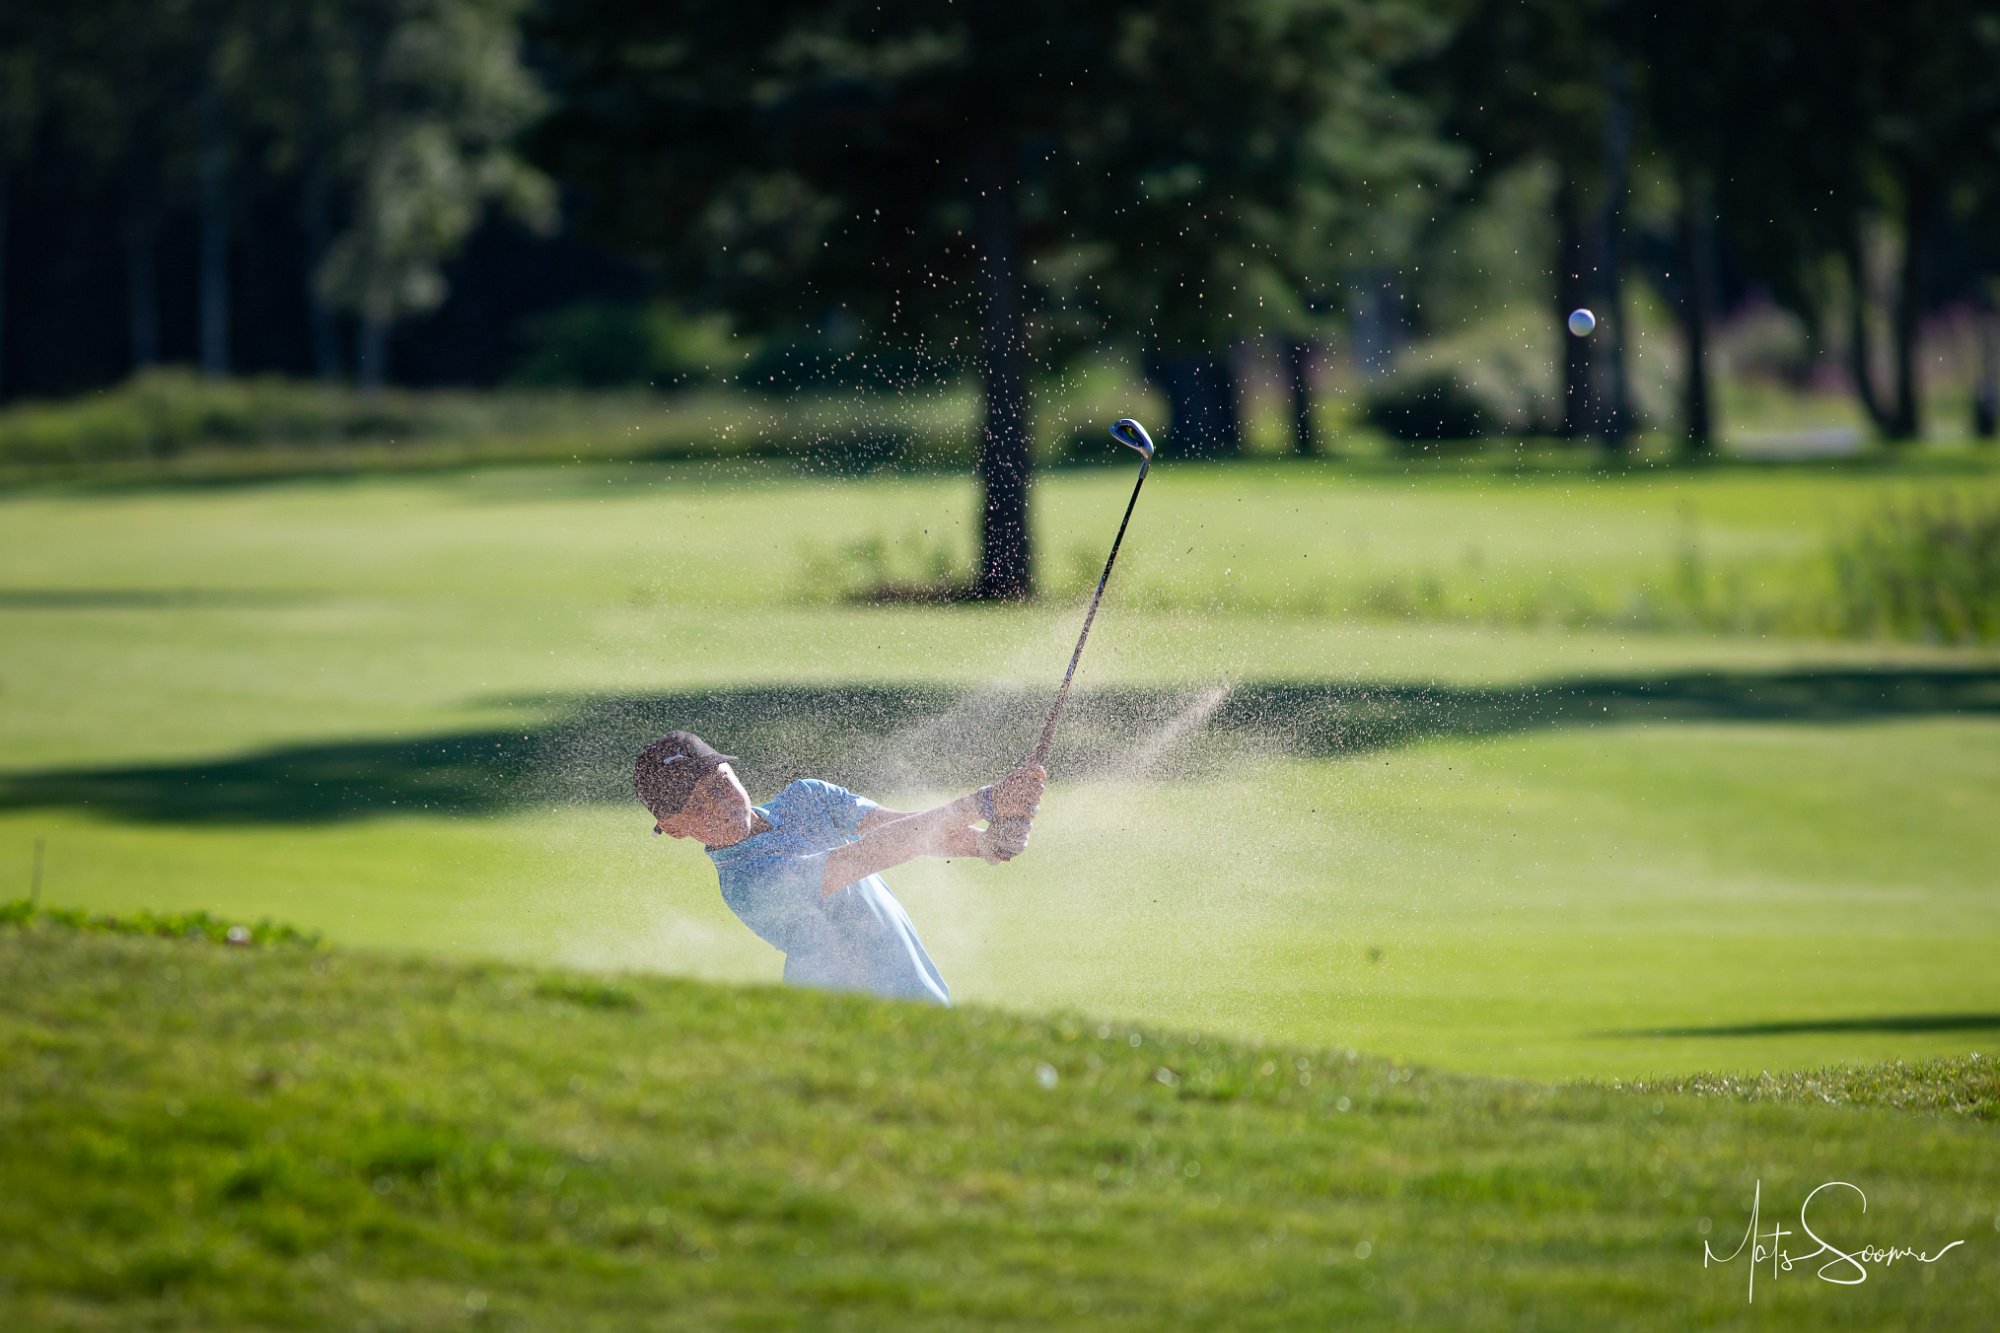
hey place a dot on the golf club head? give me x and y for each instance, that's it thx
(1133, 436)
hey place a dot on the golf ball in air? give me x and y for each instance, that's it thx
(1581, 322)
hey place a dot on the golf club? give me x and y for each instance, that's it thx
(1133, 436)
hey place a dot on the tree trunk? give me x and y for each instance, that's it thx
(1857, 333)
(1906, 423)
(1371, 337)
(3, 281)
(1298, 359)
(1695, 239)
(214, 235)
(371, 351)
(1617, 409)
(1204, 419)
(1005, 570)
(142, 292)
(1986, 389)
(318, 224)
(1572, 292)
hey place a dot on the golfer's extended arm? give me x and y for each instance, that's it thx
(893, 843)
(957, 842)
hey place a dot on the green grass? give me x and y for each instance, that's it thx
(204, 1137)
(1508, 848)
(28, 912)
(1518, 950)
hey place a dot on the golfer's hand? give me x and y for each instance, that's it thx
(1019, 794)
(1003, 842)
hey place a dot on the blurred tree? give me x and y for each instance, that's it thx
(22, 97)
(1523, 80)
(398, 115)
(1986, 379)
(224, 47)
(123, 81)
(1927, 78)
(1695, 253)
(1692, 63)
(1016, 178)
(309, 101)
(163, 146)
(410, 117)
(1813, 126)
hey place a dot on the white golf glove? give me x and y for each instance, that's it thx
(1003, 841)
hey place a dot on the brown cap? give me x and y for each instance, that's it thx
(669, 768)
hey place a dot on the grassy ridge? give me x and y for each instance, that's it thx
(286, 700)
(1969, 1086)
(172, 425)
(204, 1137)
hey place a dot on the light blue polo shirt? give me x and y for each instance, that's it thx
(855, 938)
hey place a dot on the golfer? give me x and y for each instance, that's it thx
(803, 871)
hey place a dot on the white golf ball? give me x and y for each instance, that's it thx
(1581, 322)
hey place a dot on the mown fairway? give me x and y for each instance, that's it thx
(199, 1137)
(401, 711)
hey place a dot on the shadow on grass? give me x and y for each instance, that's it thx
(908, 738)
(1877, 1023)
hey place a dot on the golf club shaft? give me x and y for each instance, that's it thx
(1049, 727)
(1133, 436)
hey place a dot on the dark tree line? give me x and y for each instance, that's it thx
(1800, 141)
(1803, 140)
(1018, 179)
(170, 129)
(305, 185)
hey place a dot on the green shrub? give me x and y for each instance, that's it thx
(1442, 403)
(1490, 379)
(1765, 342)
(602, 344)
(24, 913)
(915, 567)
(164, 414)
(1924, 573)
(1927, 572)
(174, 421)
(1502, 376)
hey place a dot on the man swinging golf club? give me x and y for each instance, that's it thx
(804, 870)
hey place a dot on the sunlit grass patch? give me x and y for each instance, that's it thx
(212, 1138)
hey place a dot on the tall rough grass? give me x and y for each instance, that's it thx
(169, 413)
(1919, 573)
(1928, 572)
(170, 418)
(28, 914)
